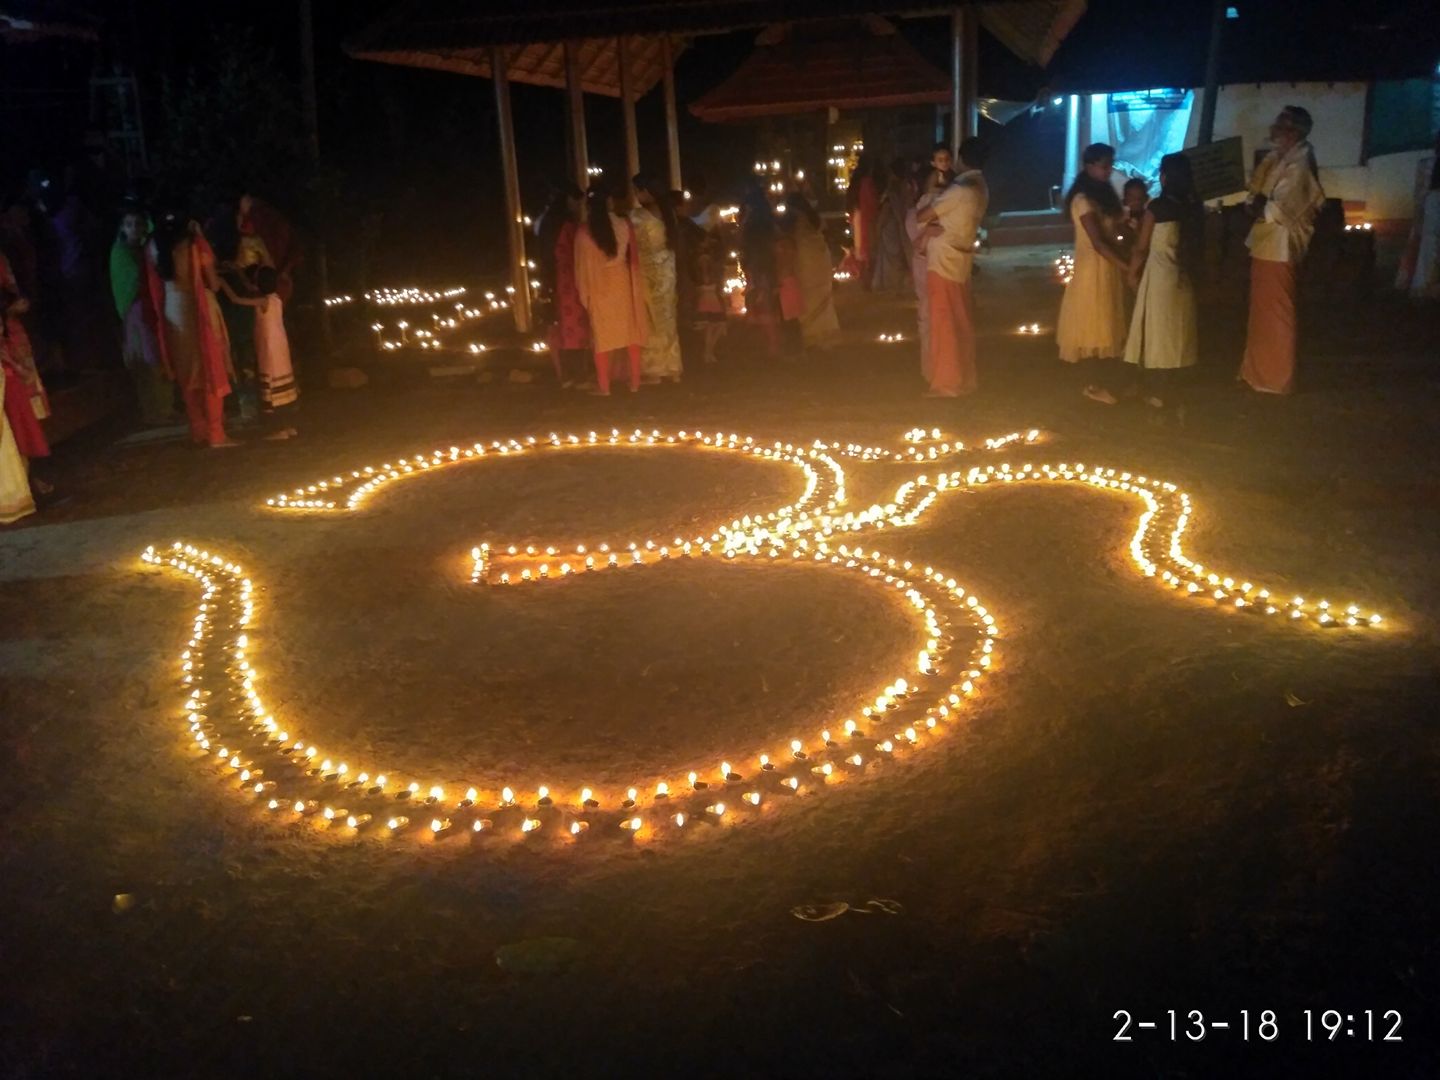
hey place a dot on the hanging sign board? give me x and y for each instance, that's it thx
(1219, 168)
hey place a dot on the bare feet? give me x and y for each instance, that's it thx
(939, 393)
(224, 444)
(1100, 394)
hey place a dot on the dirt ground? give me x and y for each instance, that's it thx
(1154, 806)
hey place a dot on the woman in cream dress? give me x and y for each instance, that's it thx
(1091, 330)
(1163, 331)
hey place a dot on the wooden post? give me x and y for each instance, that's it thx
(1212, 74)
(627, 105)
(957, 82)
(1072, 141)
(970, 70)
(672, 122)
(312, 145)
(515, 221)
(575, 108)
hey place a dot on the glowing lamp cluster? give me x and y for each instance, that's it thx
(264, 759)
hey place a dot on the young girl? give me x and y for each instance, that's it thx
(1091, 328)
(278, 392)
(1163, 335)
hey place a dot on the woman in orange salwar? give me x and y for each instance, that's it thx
(194, 346)
(1285, 196)
(609, 280)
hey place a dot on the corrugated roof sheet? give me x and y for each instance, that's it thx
(543, 64)
(456, 35)
(840, 63)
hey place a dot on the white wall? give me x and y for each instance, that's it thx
(1385, 184)
(1247, 110)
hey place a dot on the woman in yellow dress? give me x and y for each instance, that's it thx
(1092, 325)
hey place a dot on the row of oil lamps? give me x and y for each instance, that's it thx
(799, 531)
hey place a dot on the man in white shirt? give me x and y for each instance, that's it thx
(958, 211)
(1285, 196)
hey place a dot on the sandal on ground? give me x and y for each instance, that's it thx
(1100, 394)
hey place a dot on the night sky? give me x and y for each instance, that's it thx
(411, 153)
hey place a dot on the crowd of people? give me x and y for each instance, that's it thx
(189, 326)
(640, 274)
(925, 224)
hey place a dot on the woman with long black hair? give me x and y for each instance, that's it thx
(1164, 270)
(758, 233)
(819, 326)
(193, 343)
(608, 279)
(569, 329)
(1091, 329)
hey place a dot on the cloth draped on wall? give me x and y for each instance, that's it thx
(1143, 126)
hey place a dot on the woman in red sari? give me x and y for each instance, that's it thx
(864, 206)
(570, 329)
(194, 346)
(22, 401)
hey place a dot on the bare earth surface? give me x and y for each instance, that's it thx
(1153, 805)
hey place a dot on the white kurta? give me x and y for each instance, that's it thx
(1163, 331)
